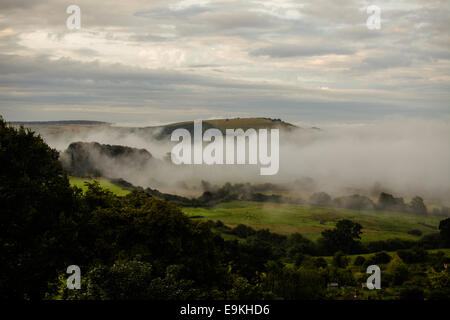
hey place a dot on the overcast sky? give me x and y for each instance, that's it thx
(161, 61)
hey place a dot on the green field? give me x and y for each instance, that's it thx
(290, 218)
(311, 221)
(105, 183)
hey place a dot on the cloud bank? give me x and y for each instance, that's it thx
(178, 60)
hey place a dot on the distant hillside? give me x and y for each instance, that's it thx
(58, 123)
(94, 159)
(58, 128)
(243, 123)
(223, 124)
(68, 128)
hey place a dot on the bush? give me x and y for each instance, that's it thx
(382, 257)
(294, 284)
(415, 232)
(340, 260)
(389, 245)
(359, 261)
(377, 259)
(398, 271)
(418, 206)
(320, 199)
(354, 202)
(345, 237)
(297, 243)
(414, 255)
(243, 231)
(431, 241)
(320, 263)
(444, 227)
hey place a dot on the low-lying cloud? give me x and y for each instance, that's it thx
(404, 156)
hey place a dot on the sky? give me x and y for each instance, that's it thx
(153, 62)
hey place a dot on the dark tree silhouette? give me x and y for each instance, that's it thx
(37, 213)
(345, 237)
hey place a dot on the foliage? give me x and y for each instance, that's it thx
(414, 255)
(398, 271)
(345, 237)
(444, 227)
(340, 260)
(359, 261)
(38, 216)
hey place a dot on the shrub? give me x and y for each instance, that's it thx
(398, 271)
(378, 258)
(359, 261)
(415, 232)
(243, 231)
(320, 263)
(415, 255)
(340, 260)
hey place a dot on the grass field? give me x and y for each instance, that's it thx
(311, 221)
(105, 183)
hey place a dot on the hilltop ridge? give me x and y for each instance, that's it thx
(223, 124)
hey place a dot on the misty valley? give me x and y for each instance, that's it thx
(225, 159)
(148, 228)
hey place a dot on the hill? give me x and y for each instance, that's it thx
(58, 123)
(92, 159)
(68, 128)
(104, 183)
(223, 124)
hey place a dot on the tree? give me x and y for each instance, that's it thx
(354, 202)
(154, 229)
(242, 290)
(121, 281)
(340, 260)
(320, 263)
(294, 283)
(133, 280)
(345, 237)
(414, 255)
(418, 206)
(359, 261)
(37, 216)
(444, 227)
(243, 231)
(398, 270)
(320, 199)
(296, 243)
(387, 201)
(440, 285)
(377, 259)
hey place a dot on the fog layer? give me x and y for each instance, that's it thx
(403, 156)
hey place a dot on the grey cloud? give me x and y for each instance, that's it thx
(164, 12)
(288, 51)
(40, 82)
(410, 52)
(386, 61)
